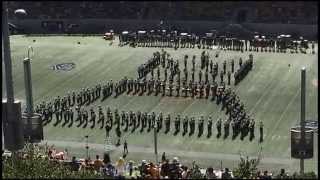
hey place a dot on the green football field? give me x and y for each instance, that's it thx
(270, 92)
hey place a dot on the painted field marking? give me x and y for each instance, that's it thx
(261, 97)
(265, 93)
(283, 113)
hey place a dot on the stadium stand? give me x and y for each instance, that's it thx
(259, 12)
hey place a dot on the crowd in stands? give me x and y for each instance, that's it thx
(263, 12)
(123, 168)
(166, 169)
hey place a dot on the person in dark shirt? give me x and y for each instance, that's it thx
(165, 168)
(226, 174)
(282, 175)
(125, 147)
(163, 158)
(265, 175)
(74, 164)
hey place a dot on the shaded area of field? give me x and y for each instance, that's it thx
(270, 92)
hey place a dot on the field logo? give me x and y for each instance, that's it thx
(63, 66)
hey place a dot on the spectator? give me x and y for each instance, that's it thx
(130, 167)
(108, 169)
(50, 154)
(258, 174)
(226, 174)
(165, 168)
(195, 172)
(136, 172)
(154, 171)
(85, 165)
(185, 172)
(120, 167)
(82, 164)
(175, 170)
(60, 155)
(66, 154)
(283, 174)
(210, 174)
(98, 164)
(163, 157)
(265, 175)
(74, 164)
(143, 169)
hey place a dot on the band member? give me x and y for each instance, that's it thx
(229, 77)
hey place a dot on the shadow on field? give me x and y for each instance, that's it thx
(80, 122)
(235, 135)
(65, 122)
(251, 136)
(118, 132)
(191, 133)
(102, 125)
(133, 129)
(85, 124)
(104, 98)
(218, 135)
(45, 122)
(126, 128)
(176, 132)
(244, 134)
(226, 134)
(184, 133)
(209, 134)
(57, 122)
(93, 123)
(70, 124)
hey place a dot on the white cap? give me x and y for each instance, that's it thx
(176, 159)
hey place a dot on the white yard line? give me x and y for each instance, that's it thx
(284, 112)
(261, 97)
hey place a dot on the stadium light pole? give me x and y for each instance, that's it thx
(28, 82)
(302, 113)
(11, 114)
(7, 55)
(33, 128)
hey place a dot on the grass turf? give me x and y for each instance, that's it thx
(270, 92)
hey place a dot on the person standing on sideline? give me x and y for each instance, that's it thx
(261, 131)
(125, 147)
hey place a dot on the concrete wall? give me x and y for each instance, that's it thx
(101, 25)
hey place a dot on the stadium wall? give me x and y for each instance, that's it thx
(96, 26)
